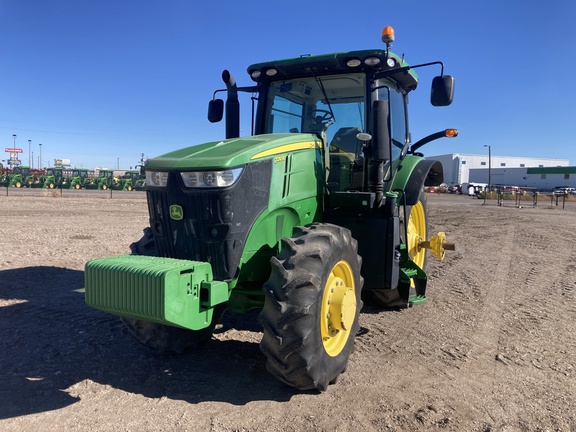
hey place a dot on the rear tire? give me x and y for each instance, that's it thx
(417, 230)
(312, 306)
(159, 337)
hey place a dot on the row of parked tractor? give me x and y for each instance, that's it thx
(78, 178)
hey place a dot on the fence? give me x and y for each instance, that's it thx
(76, 193)
(524, 197)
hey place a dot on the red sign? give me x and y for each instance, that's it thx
(13, 150)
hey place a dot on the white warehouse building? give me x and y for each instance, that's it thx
(539, 173)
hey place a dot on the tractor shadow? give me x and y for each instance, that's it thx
(54, 348)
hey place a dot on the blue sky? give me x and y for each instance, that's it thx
(99, 82)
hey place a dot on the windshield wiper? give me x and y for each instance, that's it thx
(321, 85)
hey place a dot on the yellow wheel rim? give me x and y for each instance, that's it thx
(338, 308)
(416, 234)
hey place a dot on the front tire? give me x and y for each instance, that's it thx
(312, 306)
(159, 337)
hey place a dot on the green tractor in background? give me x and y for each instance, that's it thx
(322, 207)
(77, 179)
(54, 178)
(17, 178)
(35, 179)
(104, 181)
(4, 177)
(130, 181)
(140, 183)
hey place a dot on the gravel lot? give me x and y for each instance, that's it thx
(493, 349)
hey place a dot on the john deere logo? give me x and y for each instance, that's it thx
(176, 212)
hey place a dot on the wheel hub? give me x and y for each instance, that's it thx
(416, 233)
(338, 308)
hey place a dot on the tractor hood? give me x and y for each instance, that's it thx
(233, 152)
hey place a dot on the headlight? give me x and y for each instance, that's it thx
(210, 179)
(156, 178)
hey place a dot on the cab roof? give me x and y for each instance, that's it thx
(376, 62)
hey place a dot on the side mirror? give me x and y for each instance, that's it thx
(442, 92)
(381, 131)
(215, 110)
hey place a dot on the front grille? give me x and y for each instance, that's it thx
(215, 222)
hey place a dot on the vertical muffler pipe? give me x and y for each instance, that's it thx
(232, 106)
(380, 149)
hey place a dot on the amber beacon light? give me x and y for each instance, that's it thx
(388, 35)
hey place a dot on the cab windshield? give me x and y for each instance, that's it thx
(333, 105)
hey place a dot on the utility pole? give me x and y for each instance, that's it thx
(489, 166)
(29, 154)
(40, 161)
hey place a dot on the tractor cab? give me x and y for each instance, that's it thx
(24, 171)
(356, 102)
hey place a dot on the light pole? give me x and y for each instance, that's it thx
(29, 154)
(40, 161)
(489, 166)
(11, 161)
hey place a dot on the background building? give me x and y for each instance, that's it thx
(540, 173)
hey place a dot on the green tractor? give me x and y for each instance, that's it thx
(35, 179)
(77, 179)
(54, 178)
(128, 181)
(320, 209)
(18, 177)
(140, 182)
(5, 178)
(105, 180)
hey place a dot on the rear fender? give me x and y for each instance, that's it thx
(414, 173)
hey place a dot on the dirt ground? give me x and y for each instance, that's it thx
(493, 349)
